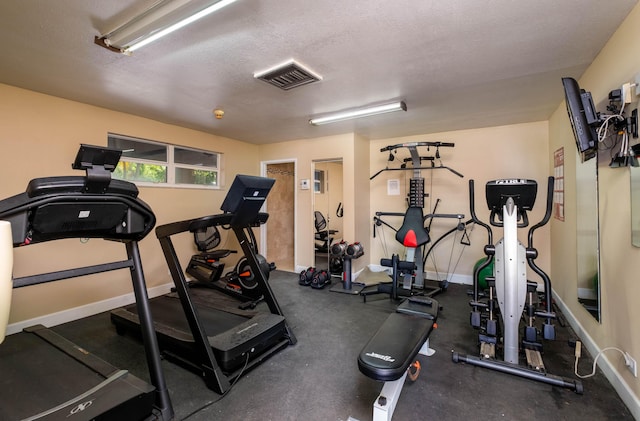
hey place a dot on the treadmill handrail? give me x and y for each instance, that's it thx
(70, 273)
(76, 184)
(192, 225)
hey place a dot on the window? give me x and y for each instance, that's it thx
(147, 162)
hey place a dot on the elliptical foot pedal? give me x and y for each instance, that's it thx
(487, 350)
(534, 360)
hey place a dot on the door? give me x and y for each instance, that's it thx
(279, 244)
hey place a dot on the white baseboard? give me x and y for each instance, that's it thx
(617, 381)
(587, 293)
(454, 278)
(87, 310)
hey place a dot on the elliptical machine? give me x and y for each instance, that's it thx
(511, 297)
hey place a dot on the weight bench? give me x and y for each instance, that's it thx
(391, 351)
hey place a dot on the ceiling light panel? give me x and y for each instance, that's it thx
(161, 19)
(359, 112)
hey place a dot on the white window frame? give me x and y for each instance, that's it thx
(171, 165)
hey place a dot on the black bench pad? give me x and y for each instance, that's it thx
(393, 348)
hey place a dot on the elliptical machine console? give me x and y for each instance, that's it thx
(521, 191)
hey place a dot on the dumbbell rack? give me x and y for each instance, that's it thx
(347, 253)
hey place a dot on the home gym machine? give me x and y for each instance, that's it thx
(205, 330)
(45, 376)
(511, 297)
(414, 233)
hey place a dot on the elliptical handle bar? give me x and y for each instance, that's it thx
(547, 214)
(487, 262)
(472, 210)
(532, 253)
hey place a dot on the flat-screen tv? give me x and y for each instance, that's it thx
(583, 116)
(245, 198)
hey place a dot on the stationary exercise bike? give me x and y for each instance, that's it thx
(512, 298)
(206, 268)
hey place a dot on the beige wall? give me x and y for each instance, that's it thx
(617, 63)
(305, 152)
(353, 150)
(515, 151)
(361, 200)
(483, 154)
(40, 136)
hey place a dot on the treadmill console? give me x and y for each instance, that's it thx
(90, 206)
(245, 198)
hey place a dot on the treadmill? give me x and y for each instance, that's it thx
(44, 376)
(206, 330)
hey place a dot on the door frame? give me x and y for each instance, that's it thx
(263, 227)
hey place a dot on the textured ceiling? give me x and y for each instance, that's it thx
(457, 64)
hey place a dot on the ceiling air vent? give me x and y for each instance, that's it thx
(288, 75)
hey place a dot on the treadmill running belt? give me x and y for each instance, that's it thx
(50, 377)
(230, 334)
(168, 310)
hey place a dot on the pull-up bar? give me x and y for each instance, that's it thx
(417, 159)
(416, 144)
(418, 168)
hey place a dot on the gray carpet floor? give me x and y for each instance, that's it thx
(318, 378)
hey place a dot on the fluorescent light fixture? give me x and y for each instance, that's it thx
(159, 20)
(361, 112)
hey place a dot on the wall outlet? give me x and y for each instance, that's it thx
(631, 364)
(625, 90)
